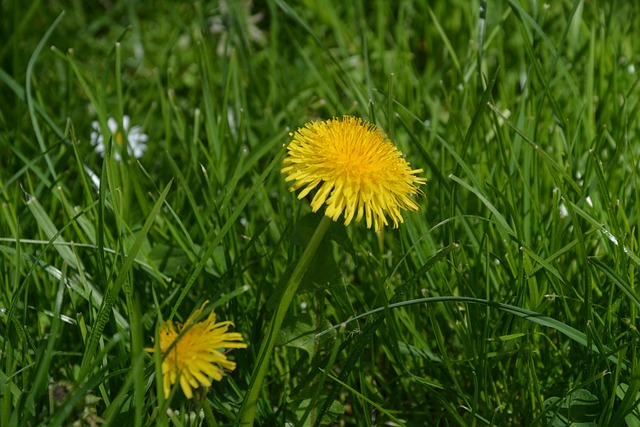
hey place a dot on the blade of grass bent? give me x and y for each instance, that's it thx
(50, 230)
(36, 263)
(28, 90)
(535, 317)
(530, 315)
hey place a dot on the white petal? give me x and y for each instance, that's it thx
(563, 211)
(113, 125)
(93, 176)
(138, 150)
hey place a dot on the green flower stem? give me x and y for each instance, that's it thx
(248, 410)
(208, 412)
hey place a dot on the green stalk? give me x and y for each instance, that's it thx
(248, 410)
(208, 412)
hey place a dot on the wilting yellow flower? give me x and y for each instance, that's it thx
(357, 169)
(198, 355)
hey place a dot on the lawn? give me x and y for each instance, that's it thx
(146, 186)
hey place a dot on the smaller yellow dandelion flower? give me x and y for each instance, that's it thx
(357, 169)
(198, 355)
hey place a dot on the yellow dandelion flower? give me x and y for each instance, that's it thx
(357, 169)
(198, 355)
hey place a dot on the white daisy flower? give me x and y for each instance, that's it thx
(135, 138)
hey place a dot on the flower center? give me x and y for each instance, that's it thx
(357, 166)
(118, 136)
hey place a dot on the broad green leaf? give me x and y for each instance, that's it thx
(579, 408)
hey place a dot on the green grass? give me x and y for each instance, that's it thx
(509, 299)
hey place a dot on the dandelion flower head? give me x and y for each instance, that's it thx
(132, 135)
(198, 354)
(356, 169)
